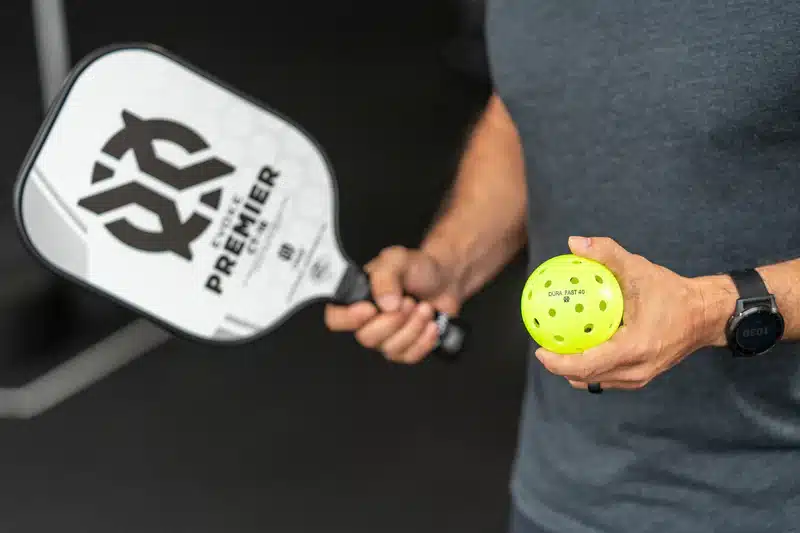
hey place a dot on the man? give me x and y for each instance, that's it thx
(661, 139)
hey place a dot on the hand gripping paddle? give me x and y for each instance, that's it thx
(186, 201)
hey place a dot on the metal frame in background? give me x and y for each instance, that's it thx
(121, 347)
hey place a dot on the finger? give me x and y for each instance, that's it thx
(349, 317)
(585, 375)
(638, 371)
(603, 250)
(618, 352)
(376, 331)
(571, 366)
(565, 365)
(644, 369)
(632, 373)
(386, 276)
(447, 302)
(421, 347)
(610, 385)
(401, 341)
(624, 348)
(424, 274)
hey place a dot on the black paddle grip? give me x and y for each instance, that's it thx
(355, 287)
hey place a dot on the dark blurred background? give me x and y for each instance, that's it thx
(302, 432)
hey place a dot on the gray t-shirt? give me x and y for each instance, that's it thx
(674, 128)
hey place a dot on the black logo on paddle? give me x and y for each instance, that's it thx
(138, 135)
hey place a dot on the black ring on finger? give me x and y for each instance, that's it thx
(595, 388)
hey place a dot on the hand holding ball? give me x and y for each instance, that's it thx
(570, 304)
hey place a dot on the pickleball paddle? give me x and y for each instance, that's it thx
(190, 203)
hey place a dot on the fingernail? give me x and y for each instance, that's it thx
(425, 310)
(389, 303)
(581, 243)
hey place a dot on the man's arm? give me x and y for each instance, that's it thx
(719, 300)
(668, 317)
(482, 225)
(480, 229)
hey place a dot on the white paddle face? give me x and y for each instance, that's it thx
(180, 198)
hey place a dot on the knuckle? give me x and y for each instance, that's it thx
(642, 349)
(329, 316)
(574, 374)
(379, 269)
(335, 324)
(365, 340)
(390, 347)
(333, 311)
(391, 358)
(419, 346)
(414, 357)
(392, 354)
(393, 252)
(396, 348)
(421, 349)
(550, 366)
(405, 356)
(552, 363)
(583, 372)
(652, 348)
(640, 375)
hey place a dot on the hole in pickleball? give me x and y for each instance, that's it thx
(559, 338)
(530, 294)
(548, 283)
(552, 312)
(576, 262)
(573, 280)
(579, 308)
(588, 328)
(603, 305)
(598, 279)
(536, 322)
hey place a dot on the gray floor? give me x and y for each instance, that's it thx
(302, 432)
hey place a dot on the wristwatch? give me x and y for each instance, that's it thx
(756, 325)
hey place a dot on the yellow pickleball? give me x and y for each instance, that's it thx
(570, 304)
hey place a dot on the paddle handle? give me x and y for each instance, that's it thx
(355, 287)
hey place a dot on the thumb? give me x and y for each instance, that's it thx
(428, 280)
(424, 277)
(386, 273)
(398, 270)
(604, 250)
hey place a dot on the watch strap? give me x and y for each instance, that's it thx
(749, 284)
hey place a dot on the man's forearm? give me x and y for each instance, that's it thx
(719, 297)
(482, 225)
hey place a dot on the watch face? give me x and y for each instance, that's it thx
(758, 331)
